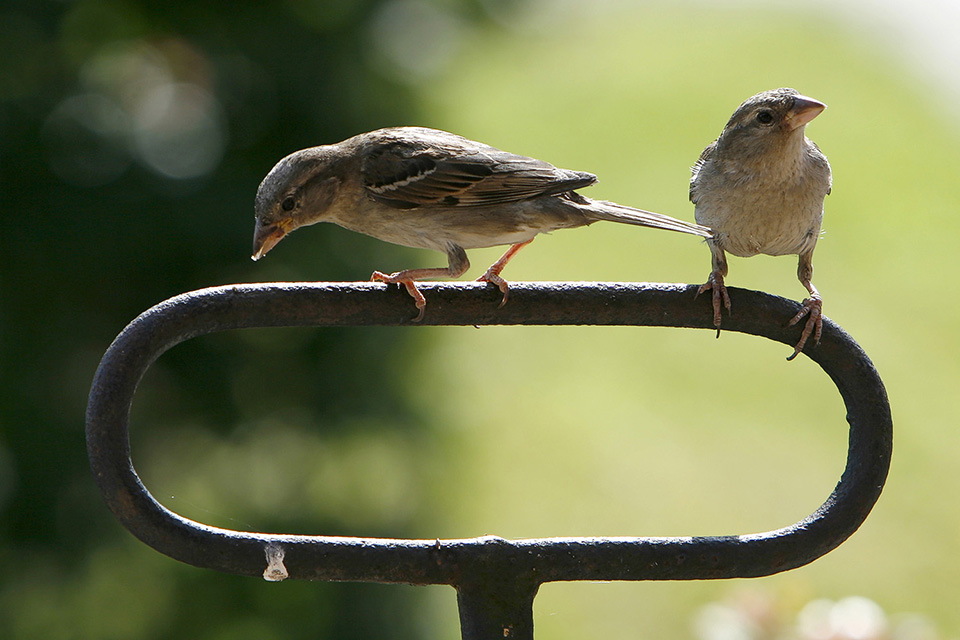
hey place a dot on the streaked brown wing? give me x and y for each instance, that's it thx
(430, 167)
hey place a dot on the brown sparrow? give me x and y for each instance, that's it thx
(431, 189)
(760, 188)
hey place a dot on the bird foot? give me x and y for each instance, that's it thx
(720, 296)
(493, 277)
(410, 285)
(812, 310)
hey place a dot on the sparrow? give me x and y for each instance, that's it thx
(760, 188)
(430, 189)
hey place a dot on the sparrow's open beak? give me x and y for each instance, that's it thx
(265, 237)
(803, 111)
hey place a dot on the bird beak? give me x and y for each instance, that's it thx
(803, 111)
(265, 237)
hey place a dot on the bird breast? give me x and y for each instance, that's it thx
(439, 227)
(753, 212)
(773, 226)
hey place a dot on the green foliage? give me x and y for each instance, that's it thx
(132, 138)
(665, 432)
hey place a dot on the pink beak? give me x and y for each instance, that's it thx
(266, 237)
(803, 111)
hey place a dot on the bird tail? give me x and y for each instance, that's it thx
(613, 212)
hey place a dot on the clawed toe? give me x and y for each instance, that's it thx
(495, 279)
(396, 278)
(719, 297)
(812, 310)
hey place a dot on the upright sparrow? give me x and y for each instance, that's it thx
(760, 188)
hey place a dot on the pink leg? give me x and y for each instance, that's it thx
(715, 284)
(457, 265)
(812, 308)
(492, 275)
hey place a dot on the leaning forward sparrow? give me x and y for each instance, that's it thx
(431, 189)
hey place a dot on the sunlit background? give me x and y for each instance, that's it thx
(133, 136)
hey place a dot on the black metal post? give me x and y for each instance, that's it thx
(496, 579)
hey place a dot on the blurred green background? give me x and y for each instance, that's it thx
(133, 135)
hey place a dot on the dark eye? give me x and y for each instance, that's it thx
(288, 203)
(765, 116)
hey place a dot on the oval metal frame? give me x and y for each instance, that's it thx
(496, 579)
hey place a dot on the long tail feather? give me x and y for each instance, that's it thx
(613, 212)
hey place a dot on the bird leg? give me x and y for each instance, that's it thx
(715, 283)
(812, 308)
(457, 265)
(492, 275)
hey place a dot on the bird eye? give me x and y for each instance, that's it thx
(288, 203)
(765, 116)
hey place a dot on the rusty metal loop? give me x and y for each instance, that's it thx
(496, 579)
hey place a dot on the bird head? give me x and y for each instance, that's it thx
(768, 120)
(297, 192)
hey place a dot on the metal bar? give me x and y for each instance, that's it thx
(496, 606)
(496, 579)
